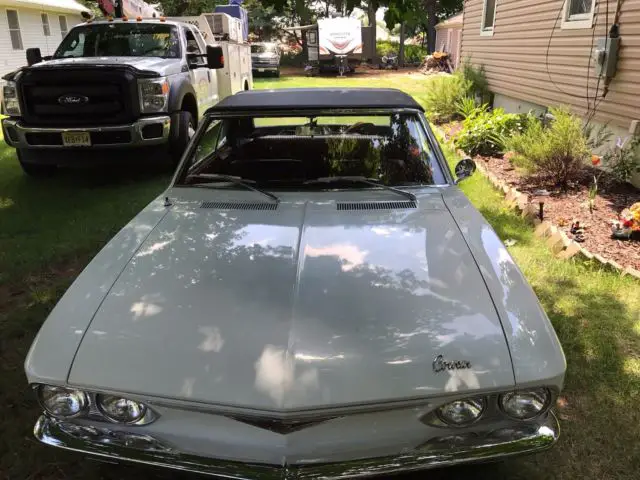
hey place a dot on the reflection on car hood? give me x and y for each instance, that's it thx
(302, 307)
(162, 66)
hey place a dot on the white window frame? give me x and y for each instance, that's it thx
(6, 12)
(582, 20)
(487, 31)
(46, 26)
(63, 33)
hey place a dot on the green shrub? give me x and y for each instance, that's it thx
(623, 161)
(467, 107)
(477, 78)
(558, 151)
(484, 132)
(293, 59)
(412, 53)
(442, 96)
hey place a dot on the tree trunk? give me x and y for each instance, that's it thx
(401, 52)
(432, 21)
(372, 7)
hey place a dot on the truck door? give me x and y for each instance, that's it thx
(214, 91)
(200, 75)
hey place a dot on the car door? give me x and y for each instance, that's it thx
(200, 75)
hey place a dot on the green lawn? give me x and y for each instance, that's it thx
(50, 228)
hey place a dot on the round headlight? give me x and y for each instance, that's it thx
(525, 405)
(461, 412)
(63, 402)
(120, 410)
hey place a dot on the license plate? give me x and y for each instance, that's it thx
(261, 69)
(76, 139)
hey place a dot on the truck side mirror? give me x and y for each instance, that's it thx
(33, 56)
(215, 57)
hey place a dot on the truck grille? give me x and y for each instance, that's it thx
(107, 96)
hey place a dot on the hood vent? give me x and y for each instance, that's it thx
(240, 205)
(377, 205)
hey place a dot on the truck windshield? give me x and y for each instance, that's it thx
(263, 49)
(121, 40)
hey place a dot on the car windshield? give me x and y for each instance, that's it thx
(262, 48)
(121, 39)
(315, 151)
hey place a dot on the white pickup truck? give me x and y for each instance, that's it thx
(119, 84)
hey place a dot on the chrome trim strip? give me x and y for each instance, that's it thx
(135, 129)
(438, 452)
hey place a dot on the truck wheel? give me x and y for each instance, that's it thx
(36, 170)
(182, 129)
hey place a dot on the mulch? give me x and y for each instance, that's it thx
(562, 208)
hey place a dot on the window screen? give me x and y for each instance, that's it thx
(45, 24)
(63, 25)
(14, 29)
(580, 7)
(489, 14)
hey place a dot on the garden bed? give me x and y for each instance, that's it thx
(563, 208)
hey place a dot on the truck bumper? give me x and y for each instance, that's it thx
(146, 131)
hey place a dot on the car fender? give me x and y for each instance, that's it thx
(178, 89)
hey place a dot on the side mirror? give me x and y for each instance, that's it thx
(464, 169)
(33, 56)
(215, 57)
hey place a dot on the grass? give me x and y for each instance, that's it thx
(50, 228)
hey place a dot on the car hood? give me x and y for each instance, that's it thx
(302, 307)
(161, 66)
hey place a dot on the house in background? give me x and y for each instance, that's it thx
(540, 54)
(33, 23)
(449, 37)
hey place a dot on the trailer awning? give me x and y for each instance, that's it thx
(301, 27)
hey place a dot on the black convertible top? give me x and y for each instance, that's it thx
(315, 99)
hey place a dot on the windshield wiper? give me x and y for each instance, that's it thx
(360, 179)
(235, 180)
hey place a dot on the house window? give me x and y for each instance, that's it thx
(14, 29)
(63, 25)
(45, 24)
(578, 14)
(488, 17)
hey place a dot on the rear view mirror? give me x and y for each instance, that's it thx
(464, 169)
(215, 57)
(33, 56)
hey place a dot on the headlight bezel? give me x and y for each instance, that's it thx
(85, 402)
(150, 89)
(13, 97)
(101, 408)
(91, 409)
(484, 401)
(546, 405)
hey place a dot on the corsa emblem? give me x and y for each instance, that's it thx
(440, 364)
(72, 99)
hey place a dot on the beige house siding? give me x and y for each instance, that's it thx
(448, 40)
(515, 56)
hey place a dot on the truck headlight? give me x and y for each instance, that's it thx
(154, 94)
(10, 99)
(120, 410)
(63, 402)
(526, 404)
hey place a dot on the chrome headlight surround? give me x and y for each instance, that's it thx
(51, 395)
(473, 408)
(108, 405)
(154, 94)
(532, 402)
(10, 100)
(91, 407)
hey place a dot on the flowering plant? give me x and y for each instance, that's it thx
(628, 222)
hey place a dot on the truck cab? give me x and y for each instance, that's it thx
(111, 85)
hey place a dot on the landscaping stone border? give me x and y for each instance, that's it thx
(562, 246)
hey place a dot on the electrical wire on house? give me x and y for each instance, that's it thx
(589, 116)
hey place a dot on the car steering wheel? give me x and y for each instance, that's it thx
(360, 127)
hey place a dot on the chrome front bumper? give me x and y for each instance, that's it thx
(133, 133)
(110, 444)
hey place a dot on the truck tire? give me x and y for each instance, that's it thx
(35, 170)
(182, 129)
